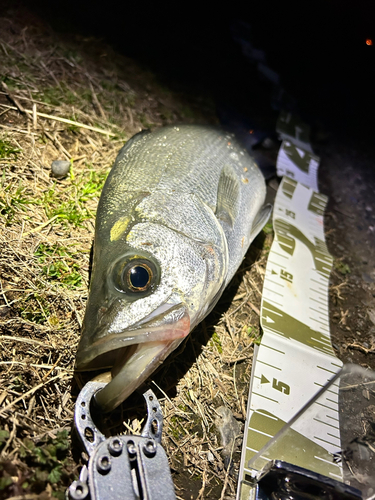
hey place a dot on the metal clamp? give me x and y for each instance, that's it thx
(283, 481)
(121, 467)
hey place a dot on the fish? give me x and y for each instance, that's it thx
(175, 218)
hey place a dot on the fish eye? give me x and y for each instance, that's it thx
(139, 277)
(136, 276)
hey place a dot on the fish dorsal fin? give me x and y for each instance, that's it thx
(228, 193)
(260, 220)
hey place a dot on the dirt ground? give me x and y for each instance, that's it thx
(75, 99)
(347, 174)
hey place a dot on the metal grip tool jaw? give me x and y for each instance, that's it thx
(121, 467)
(88, 432)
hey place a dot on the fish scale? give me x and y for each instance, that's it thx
(170, 167)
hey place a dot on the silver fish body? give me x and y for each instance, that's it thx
(177, 214)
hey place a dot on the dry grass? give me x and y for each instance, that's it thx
(78, 100)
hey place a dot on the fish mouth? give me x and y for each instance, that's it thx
(135, 353)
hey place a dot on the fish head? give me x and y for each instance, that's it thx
(149, 288)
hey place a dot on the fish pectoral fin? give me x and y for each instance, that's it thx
(260, 220)
(228, 193)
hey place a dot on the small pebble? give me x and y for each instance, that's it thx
(4, 311)
(229, 429)
(60, 168)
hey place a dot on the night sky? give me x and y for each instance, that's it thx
(318, 48)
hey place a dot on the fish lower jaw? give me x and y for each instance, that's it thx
(124, 379)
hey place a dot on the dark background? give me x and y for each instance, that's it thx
(318, 48)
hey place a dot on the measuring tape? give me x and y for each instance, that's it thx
(295, 359)
(301, 165)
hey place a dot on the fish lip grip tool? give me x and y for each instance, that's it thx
(122, 466)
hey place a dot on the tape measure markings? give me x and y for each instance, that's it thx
(280, 255)
(330, 371)
(273, 291)
(324, 423)
(321, 386)
(295, 358)
(283, 267)
(325, 406)
(274, 282)
(273, 349)
(296, 339)
(333, 418)
(260, 432)
(327, 462)
(267, 364)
